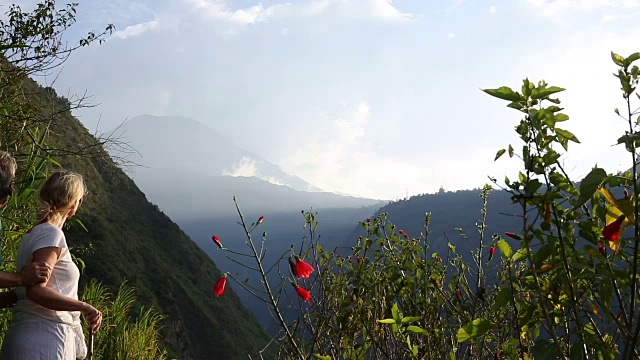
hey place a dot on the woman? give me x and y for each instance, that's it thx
(46, 323)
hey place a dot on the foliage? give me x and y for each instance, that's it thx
(564, 286)
(124, 336)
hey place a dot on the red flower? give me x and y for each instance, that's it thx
(260, 220)
(492, 251)
(439, 258)
(303, 293)
(218, 288)
(368, 220)
(401, 232)
(303, 269)
(611, 232)
(216, 240)
(458, 295)
(513, 236)
(601, 249)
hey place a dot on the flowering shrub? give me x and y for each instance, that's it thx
(559, 294)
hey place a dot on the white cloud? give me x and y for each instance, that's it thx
(136, 30)
(339, 158)
(553, 8)
(451, 35)
(609, 18)
(492, 9)
(353, 9)
(246, 167)
(345, 162)
(353, 128)
(219, 10)
(454, 4)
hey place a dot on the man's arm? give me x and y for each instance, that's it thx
(31, 273)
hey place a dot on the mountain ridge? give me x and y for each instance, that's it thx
(215, 153)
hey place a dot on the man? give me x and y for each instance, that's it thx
(31, 273)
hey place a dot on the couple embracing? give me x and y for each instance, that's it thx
(46, 320)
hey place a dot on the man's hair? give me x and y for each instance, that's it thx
(8, 168)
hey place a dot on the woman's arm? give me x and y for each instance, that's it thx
(51, 299)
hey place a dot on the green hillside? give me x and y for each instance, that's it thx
(131, 239)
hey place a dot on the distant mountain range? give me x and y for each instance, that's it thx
(192, 172)
(180, 144)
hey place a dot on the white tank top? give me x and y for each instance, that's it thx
(64, 277)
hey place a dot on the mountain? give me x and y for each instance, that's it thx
(129, 238)
(189, 196)
(164, 143)
(450, 211)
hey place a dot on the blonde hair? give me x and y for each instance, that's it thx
(8, 168)
(58, 194)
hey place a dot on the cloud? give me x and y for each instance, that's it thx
(339, 156)
(352, 129)
(554, 8)
(454, 5)
(351, 9)
(492, 9)
(246, 167)
(219, 10)
(610, 18)
(136, 30)
(451, 35)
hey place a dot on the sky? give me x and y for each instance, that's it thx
(375, 98)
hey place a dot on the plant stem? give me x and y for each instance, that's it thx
(265, 283)
(631, 343)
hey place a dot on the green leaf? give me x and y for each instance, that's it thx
(567, 135)
(409, 319)
(631, 58)
(516, 105)
(590, 185)
(541, 93)
(416, 330)
(387, 321)
(504, 93)
(322, 357)
(396, 313)
(477, 327)
(520, 255)
(499, 153)
(505, 248)
(510, 151)
(544, 349)
(502, 298)
(619, 60)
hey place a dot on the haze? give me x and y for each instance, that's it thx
(374, 98)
